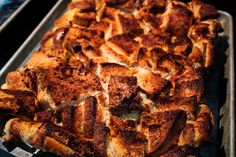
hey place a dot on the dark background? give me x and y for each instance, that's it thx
(21, 27)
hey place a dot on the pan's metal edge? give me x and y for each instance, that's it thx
(232, 91)
(7, 66)
(8, 21)
(231, 96)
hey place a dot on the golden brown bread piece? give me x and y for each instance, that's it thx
(128, 23)
(117, 124)
(78, 83)
(112, 69)
(120, 90)
(148, 59)
(124, 139)
(102, 25)
(22, 79)
(82, 5)
(80, 119)
(180, 45)
(117, 78)
(18, 101)
(150, 82)
(156, 126)
(84, 19)
(8, 103)
(203, 10)
(154, 7)
(153, 40)
(100, 139)
(206, 29)
(127, 143)
(190, 84)
(186, 104)
(46, 59)
(125, 46)
(167, 66)
(179, 18)
(198, 131)
(44, 116)
(73, 39)
(48, 137)
(65, 20)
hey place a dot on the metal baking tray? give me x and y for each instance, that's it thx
(220, 89)
(13, 15)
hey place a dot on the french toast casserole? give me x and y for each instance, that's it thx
(117, 78)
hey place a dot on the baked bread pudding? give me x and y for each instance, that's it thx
(117, 78)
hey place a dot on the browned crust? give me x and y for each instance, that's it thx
(8, 105)
(89, 116)
(19, 101)
(70, 118)
(80, 119)
(155, 40)
(124, 44)
(180, 19)
(101, 25)
(43, 116)
(47, 58)
(186, 104)
(52, 145)
(187, 136)
(118, 124)
(49, 137)
(117, 78)
(80, 145)
(112, 69)
(133, 138)
(190, 84)
(100, 139)
(74, 81)
(151, 83)
(128, 23)
(181, 45)
(156, 127)
(82, 5)
(24, 79)
(198, 131)
(167, 64)
(203, 10)
(121, 89)
(84, 19)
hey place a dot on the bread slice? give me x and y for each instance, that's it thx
(65, 85)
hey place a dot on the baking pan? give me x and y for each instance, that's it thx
(14, 14)
(220, 94)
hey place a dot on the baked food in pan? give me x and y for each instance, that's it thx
(117, 78)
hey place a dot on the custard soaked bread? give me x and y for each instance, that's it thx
(117, 78)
